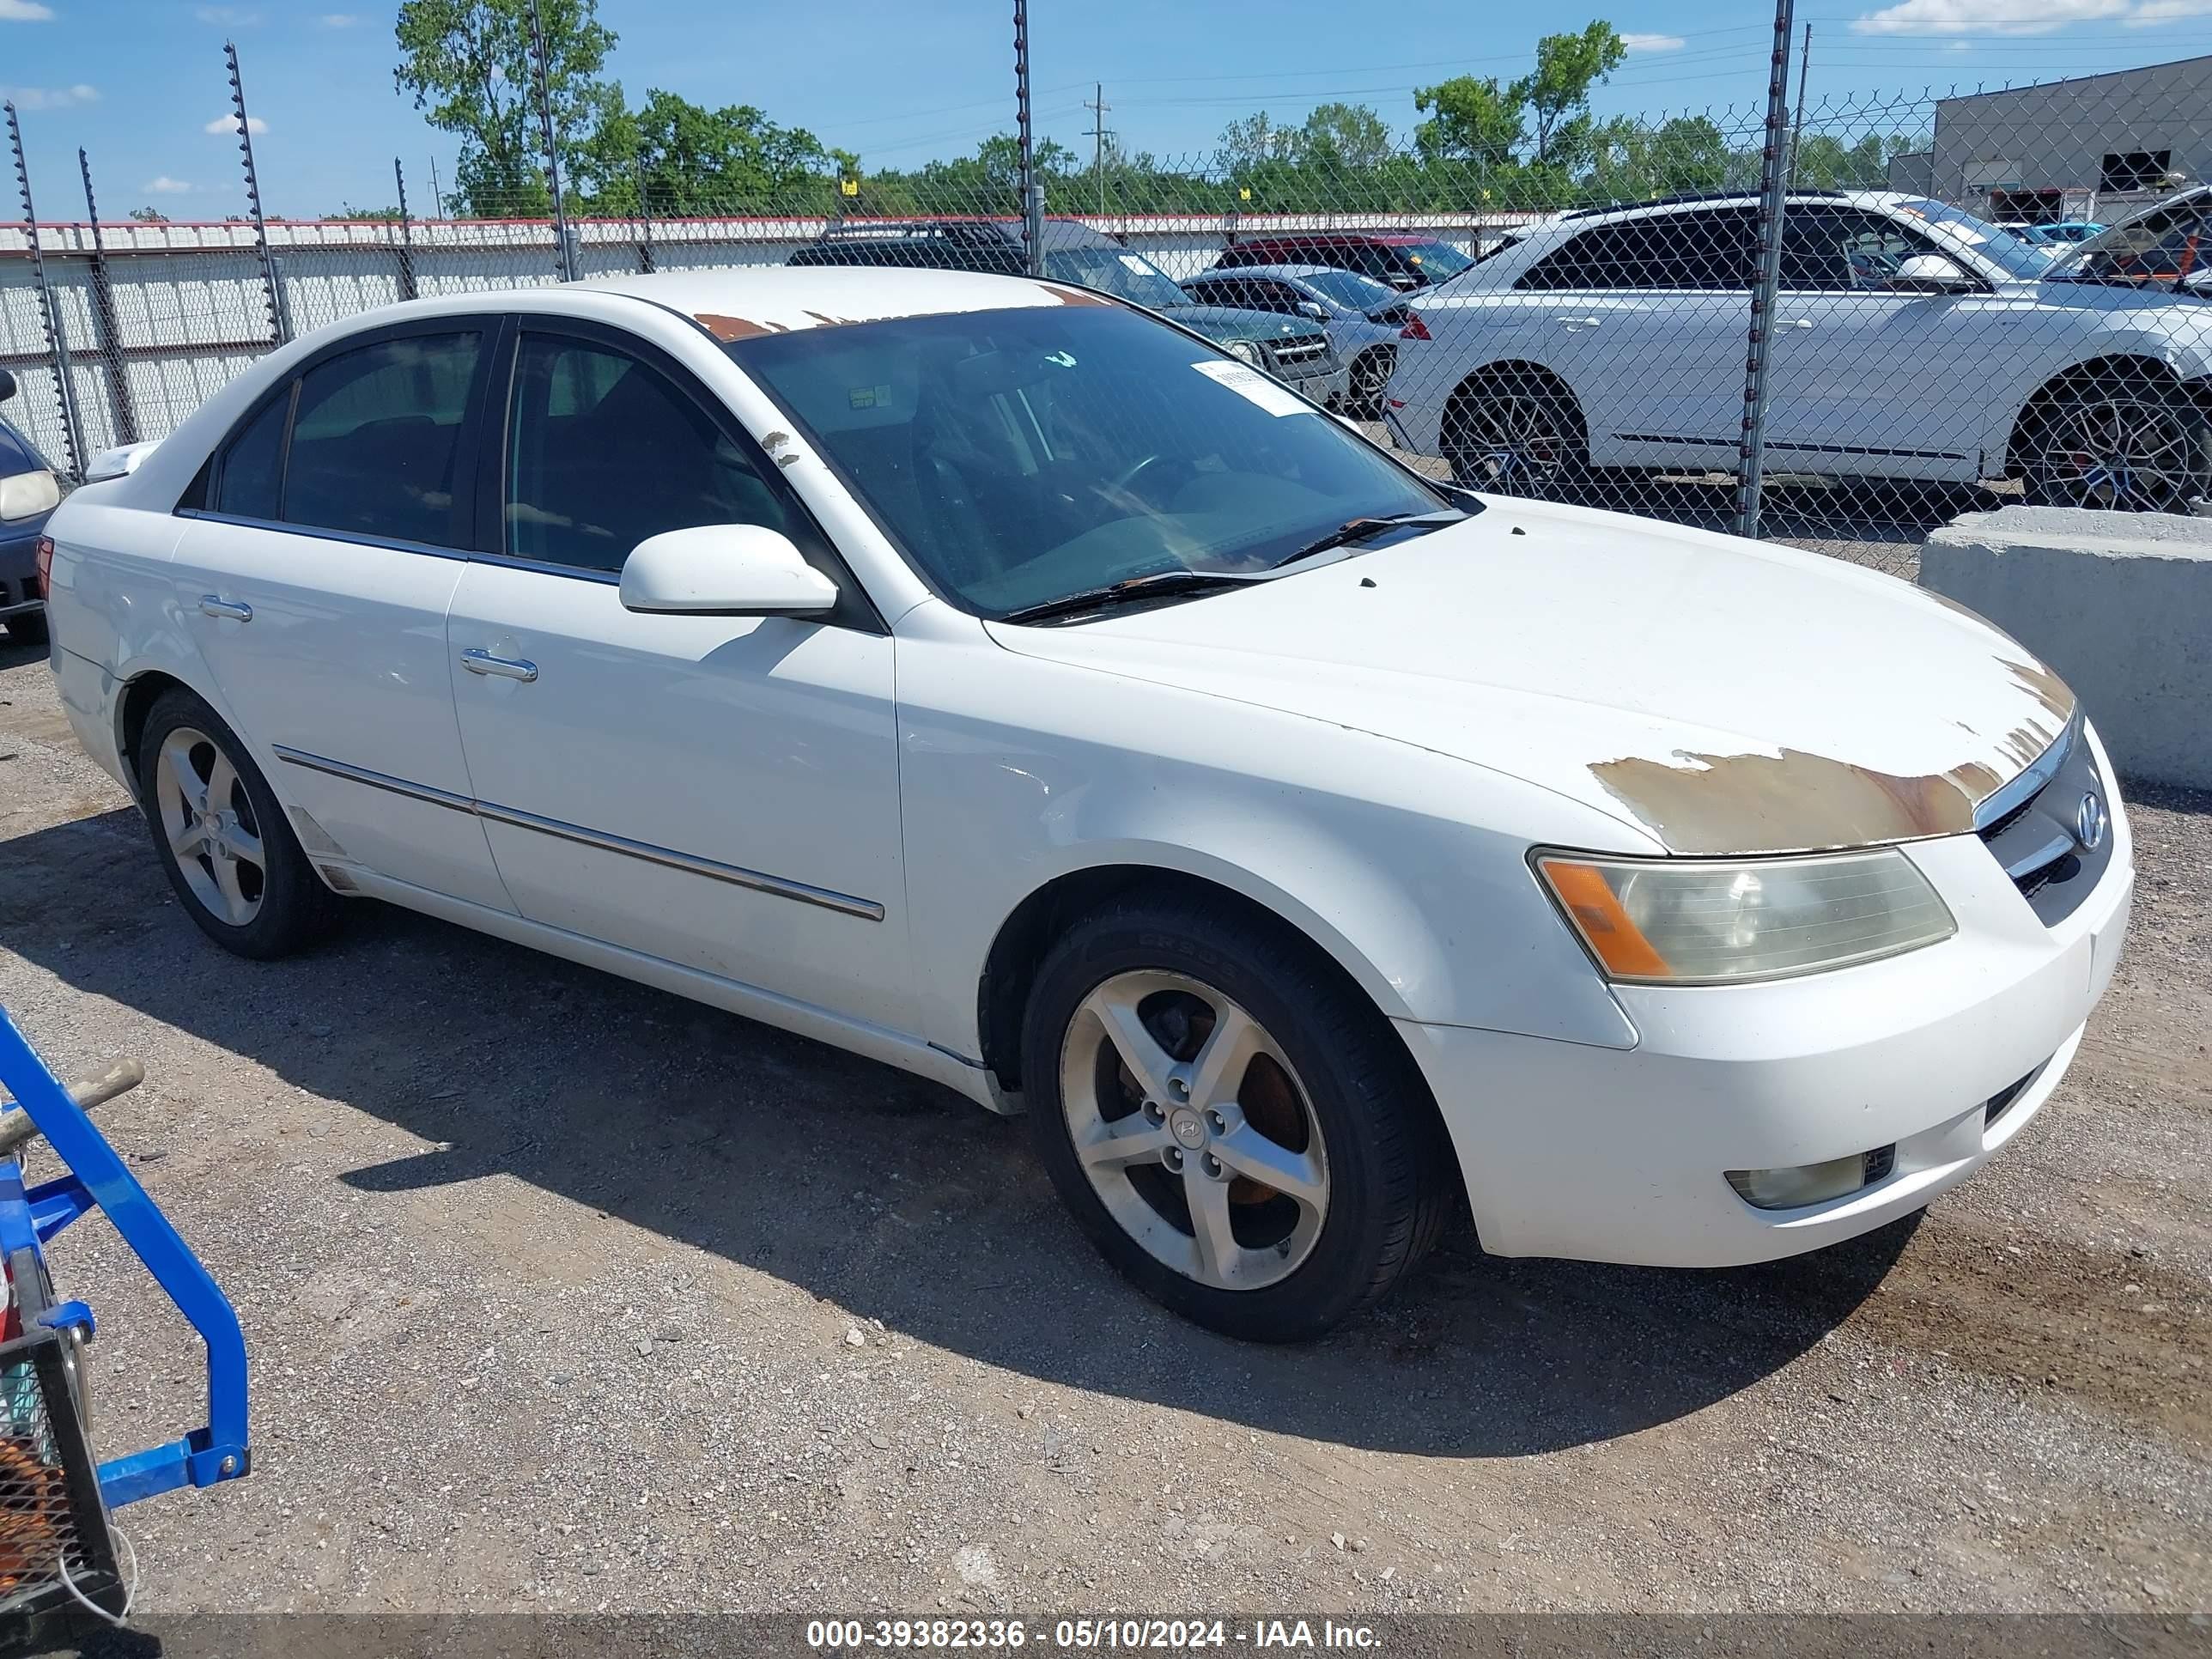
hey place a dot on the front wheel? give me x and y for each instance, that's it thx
(1234, 1126)
(1514, 433)
(2129, 446)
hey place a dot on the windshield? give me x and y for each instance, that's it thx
(1130, 275)
(1349, 287)
(1437, 260)
(2000, 248)
(1021, 456)
(2161, 249)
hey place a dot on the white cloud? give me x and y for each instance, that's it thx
(29, 98)
(339, 20)
(1987, 16)
(165, 186)
(229, 17)
(25, 11)
(2151, 13)
(254, 125)
(1653, 42)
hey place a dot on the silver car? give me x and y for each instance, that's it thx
(1361, 315)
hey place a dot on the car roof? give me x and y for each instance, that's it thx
(748, 300)
(1381, 238)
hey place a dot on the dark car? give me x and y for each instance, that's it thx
(1403, 260)
(28, 492)
(1294, 349)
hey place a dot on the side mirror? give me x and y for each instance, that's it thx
(1930, 273)
(2199, 281)
(7, 385)
(723, 570)
(1314, 309)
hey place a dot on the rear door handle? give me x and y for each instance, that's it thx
(1796, 322)
(1575, 325)
(508, 668)
(214, 604)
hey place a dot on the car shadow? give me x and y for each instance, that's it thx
(887, 1195)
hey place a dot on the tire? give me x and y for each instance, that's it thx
(1370, 372)
(1511, 433)
(2127, 444)
(28, 629)
(205, 803)
(1323, 1091)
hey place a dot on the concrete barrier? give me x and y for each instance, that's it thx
(2120, 605)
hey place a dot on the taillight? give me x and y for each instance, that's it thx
(1415, 328)
(43, 579)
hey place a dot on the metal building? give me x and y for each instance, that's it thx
(2093, 147)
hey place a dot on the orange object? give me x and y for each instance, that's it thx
(1616, 941)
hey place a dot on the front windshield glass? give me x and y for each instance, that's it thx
(2000, 248)
(1349, 287)
(1129, 276)
(1439, 260)
(1021, 456)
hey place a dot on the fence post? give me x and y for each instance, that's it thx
(1032, 193)
(1751, 452)
(279, 325)
(106, 329)
(564, 267)
(646, 262)
(407, 290)
(72, 442)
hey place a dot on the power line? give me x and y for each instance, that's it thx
(1100, 132)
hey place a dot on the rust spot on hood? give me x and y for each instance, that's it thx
(736, 328)
(1792, 802)
(1074, 296)
(2045, 687)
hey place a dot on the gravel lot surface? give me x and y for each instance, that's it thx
(564, 1294)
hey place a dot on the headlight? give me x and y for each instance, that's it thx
(1245, 352)
(26, 494)
(1685, 921)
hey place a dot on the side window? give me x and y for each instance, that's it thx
(252, 480)
(603, 450)
(376, 438)
(1681, 250)
(1275, 296)
(1839, 249)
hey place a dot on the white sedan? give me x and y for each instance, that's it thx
(993, 679)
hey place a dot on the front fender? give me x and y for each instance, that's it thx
(1407, 867)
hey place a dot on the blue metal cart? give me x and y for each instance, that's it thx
(57, 1556)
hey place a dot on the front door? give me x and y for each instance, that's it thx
(719, 791)
(315, 580)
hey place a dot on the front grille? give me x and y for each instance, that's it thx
(2037, 842)
(1300, 356)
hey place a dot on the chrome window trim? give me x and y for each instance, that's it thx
(645, 852)
(321, 532)
(2010, 797)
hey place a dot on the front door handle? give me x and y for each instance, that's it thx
(214, 604)
(1796, 322)
(1576, 325)
(508, 668)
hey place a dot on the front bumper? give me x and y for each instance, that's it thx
(1621, 1155)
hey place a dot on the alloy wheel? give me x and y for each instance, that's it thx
(208, 819)
(1194, 1129)
(2119, 453)
(1513, 443)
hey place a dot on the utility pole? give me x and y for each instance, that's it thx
(1797, 124)
(1100, 132)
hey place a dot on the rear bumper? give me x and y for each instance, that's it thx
(88, 696)
(1622, 1155)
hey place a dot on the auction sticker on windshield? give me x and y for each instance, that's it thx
(1256, 387)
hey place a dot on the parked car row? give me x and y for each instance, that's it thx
(28, 492)
(1910, 340)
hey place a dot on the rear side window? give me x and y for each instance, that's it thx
(1711, 250)
(377, 436)
(251, 485)
(603, 450)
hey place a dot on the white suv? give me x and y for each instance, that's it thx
(1911, 339)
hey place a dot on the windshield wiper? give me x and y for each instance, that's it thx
(1159, 583)
(1359, 530)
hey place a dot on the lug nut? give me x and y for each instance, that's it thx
(1213, 1166)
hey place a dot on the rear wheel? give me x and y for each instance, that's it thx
(2127, 445)
(1515, 432)
(1370, 373)
(222, 836)
(1233, 1125)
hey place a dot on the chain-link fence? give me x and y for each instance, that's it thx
(1838, 325)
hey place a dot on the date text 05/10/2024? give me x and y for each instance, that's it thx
(1086, 1635)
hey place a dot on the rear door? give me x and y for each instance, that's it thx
(315, 580)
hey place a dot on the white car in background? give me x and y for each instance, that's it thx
(1910, 340)
(986, 676)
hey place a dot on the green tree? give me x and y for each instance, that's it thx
(1343, 137)
(366, 215)
(1473, 120)
(1255, 141)
(467, 65)
(1556, 94)
(699, 161)
(150, 215)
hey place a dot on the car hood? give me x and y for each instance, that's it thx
(1240, 323)
(1724, 696)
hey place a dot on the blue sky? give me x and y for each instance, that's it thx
(137, 82)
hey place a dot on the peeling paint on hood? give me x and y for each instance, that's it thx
(1719, 697)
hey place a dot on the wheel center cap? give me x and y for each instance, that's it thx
(1187, 1128)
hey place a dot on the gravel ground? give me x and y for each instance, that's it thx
(564, 1294)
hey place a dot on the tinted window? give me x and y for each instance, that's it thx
(1839, 248)
(1349, 287)
(376, 438)
(1689, 249)
(605, 449)
(254, 466)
